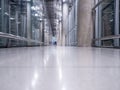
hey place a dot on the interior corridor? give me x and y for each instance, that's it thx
(59, 68)
(59, 44)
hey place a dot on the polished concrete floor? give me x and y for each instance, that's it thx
(59, 68)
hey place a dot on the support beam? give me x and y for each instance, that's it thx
(29, 31)
(65, 22)
(116, 41)
(85, 24)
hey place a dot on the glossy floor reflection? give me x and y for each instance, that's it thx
(59, 68)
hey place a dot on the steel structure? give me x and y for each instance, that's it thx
(22, 22)
(106, 23)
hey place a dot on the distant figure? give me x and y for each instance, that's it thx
(54, 41)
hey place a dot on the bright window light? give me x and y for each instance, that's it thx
(36, 15)
(64, 0)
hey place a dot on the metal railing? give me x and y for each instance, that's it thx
(14, 37)
(108, 37)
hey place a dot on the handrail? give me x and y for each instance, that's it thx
(108, 37)
(11, 36)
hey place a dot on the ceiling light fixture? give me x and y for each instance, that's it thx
(65, 1)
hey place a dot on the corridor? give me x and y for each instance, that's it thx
(59, 44)
(59, 68)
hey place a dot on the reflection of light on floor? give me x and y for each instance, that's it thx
(33, 83)
(60, 74)
(59, 66)
(60, 71)
(35, 78)
(63, 88)
(46, 59)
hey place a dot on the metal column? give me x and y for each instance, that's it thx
(29, 21)
(116, 41)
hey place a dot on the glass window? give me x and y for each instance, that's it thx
(6, 16)
(108, 21)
